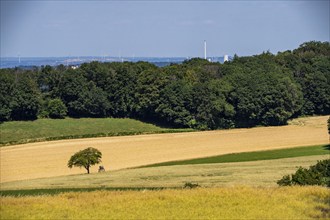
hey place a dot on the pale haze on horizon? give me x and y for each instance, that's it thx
(159, 28)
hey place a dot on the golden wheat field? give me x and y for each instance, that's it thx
(216, 203)
(49, 159)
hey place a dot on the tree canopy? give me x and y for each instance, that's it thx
(85, 158)
(264, 89)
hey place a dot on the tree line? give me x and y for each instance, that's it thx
(264, 89)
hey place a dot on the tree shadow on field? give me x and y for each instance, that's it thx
(327, 147)
(157, 122)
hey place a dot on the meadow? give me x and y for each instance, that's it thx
(19, 132)
(203, 203)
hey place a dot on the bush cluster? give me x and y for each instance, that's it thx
(190, 185)
(318, 174)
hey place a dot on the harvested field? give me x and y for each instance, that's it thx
(255, 173)
(48, 159)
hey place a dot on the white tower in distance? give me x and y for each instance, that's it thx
(225, 58)
(205, 49)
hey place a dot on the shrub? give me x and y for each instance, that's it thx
(285, 181)
(318, 174)
(190, 185)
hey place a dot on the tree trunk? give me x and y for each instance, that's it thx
(87, 168)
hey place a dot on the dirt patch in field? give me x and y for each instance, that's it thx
(48, 159)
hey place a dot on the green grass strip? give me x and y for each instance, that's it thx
(21, 132)
(253, 156)
(55, 191)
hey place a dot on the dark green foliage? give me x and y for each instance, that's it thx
(85, 158)
(190, 185)
(263, 93)
(26, 100)
(55, 191)
(285, 181)
(312, 48)
(265, 89)
(6, 94)
(82, 98)
(50, 81)
(312, 72)
(317, 93)
(149, 85)
(56, 108)
(196, 62)
(210, 107)
(94, 101)
(318, 174)
(122, 91)
(174, 103)
(73, 87)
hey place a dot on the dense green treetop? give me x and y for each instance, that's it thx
(85, 158)
(264, 89)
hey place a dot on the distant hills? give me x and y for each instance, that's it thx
(28, 62)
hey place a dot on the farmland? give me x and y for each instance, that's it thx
(262, 173)
(236, 169)
(253, 156)
(217, 203)
(49, 159)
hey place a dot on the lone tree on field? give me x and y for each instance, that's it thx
(85, 158)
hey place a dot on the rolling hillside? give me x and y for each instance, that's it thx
(49, 159)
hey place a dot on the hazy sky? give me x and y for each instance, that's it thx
(159, 28)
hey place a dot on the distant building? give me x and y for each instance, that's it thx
(205, 49)
(225, 58)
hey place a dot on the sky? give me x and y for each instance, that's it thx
(158, 28)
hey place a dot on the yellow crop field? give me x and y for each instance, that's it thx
(203, 203)
(49, 159)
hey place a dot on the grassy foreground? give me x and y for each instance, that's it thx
(55, 191)
(203, 203)
(253, 156)
(17, 132)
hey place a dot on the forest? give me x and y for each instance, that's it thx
(264, 89)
